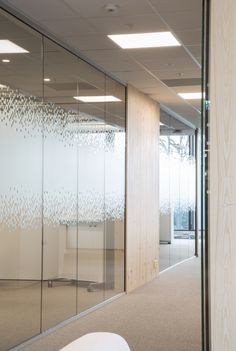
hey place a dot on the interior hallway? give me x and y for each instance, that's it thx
(164, 315)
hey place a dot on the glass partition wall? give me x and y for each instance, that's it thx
(177, 191)
(62, 184)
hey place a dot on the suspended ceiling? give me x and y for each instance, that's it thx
(159, 72)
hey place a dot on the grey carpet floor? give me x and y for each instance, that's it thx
(164, 315)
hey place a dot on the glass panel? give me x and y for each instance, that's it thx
(20, 185)
(114, 189)
(62, 188)
(59, 185)
(177, 192)
(91, 147)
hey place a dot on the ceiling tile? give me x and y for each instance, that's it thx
(44, 9)
(176, 5)
(183, 20)
(92, 8)
(178, 64)
(176, 74)
(182, 82)
(133, 75)
(189, 37)
(146, 83)
(128, 24)
(164, 55)
(89, 42)
(119, 65)
(74, 26)
(84, 26)
(106, 55)
(196, 50)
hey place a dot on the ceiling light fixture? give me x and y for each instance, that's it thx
(190, 96)
(8, 47)
(47, 79)
(106, 98)
(6, 60)
(162, 124)
(145, 40)
(2, 86)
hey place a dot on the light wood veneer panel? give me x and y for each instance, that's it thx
(142, 231)
(222, 210)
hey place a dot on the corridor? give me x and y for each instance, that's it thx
(164, 315)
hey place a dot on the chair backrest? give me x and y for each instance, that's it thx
(98, 342)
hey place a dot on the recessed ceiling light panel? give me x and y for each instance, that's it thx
(145, 40)
(106, 98)
(6, 60)
(190, 96)
(47, 80)
(8, 47)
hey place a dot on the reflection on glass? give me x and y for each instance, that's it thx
(91, 255)
(20, 188)
(59, 186)
(177, 197)
(61, 189)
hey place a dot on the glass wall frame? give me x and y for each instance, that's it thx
(69, 225)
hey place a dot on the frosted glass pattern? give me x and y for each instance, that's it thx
(177, 174)
(62, 187)
(177, 199)
(91, 149)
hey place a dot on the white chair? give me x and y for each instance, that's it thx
(98, 342)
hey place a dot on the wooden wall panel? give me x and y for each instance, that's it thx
(142, 221)
(222, 198)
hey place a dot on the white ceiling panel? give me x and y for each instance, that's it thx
(128, 24)
(44, 9)
(117, 65)
(148, 83)
(161, 55)
(84, 26)
(173, 73)
(176, 5)
(183, 20)
(189, 37)
(106, 54)
(196, 50)
(179, 64)
(75, 26)
(133, 75)
(89, 42)
(15, 32)
(95, 8)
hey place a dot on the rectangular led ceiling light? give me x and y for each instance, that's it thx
(190, 96)
(145, 40)
(8, 47)
(106, 98)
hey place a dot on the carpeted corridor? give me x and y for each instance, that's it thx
(164, 315)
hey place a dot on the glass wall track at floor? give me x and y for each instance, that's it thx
(62, 184)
